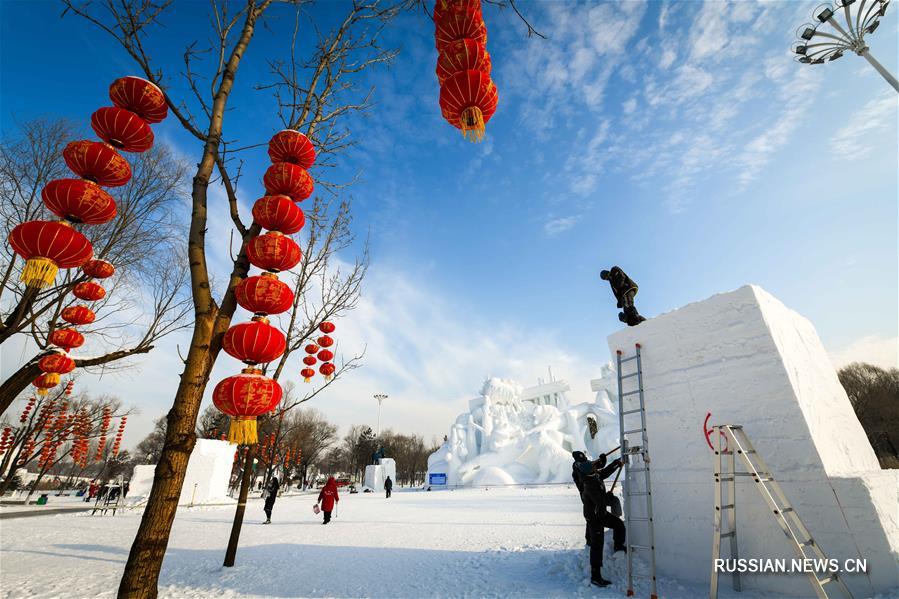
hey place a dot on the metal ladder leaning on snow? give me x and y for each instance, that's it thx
(629, 454)
(737, 443)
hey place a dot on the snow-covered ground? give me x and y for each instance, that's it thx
(464, 543)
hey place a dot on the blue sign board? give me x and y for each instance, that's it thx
(437, 478)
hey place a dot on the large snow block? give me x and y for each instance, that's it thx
(206, 480)
(747, 359)
(376, 474)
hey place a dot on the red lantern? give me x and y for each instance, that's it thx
(311, 348)
(66, 338)
(97, 162)
(78, 315)
(48, 246)
(293, 147)
(89, 291)
(273, 252)
(278, 213)
(462, 55)
(310, 361)
(264, 294)
(59, 363)
(467, 100)
(326, 327)
(326, 355)
(325, 341)
(48, 380)
(255, 342)
(122, 129)
(79, 201)
(244, 397)
(140, 97)
(441, 7)
(327, 370)
(284, 178)
(98, 269)
(459, 23)
(307, 374)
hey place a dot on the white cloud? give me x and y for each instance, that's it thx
(629, 105)
(556, 226)
(880, 351)
(709, 32)
(667, 58)
(850, 142)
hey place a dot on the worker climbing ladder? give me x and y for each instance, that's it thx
(732, 441)
(635, 457)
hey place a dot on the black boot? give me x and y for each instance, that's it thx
(599, 581)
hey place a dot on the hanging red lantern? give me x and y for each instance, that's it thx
(78, 315)
(255, 342)
(98, 269)
(140, 97)
(325, 341)
(122, 129)
(293, 147)
(79, 201)
(457, 23)
(273, 252)
(327, 370)
(58, 362)
(46, 247)
(327, 327)
(284, 178)
(66, 338)
(310, 361)
(278, 213)
(311, 348)
(264, 294)
(467, 100)
(307, 374)
(89, 291)
(462, 55)
(97, 162)
(46, 381)
(244, 397)
(326, 355)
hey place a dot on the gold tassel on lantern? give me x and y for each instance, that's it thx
(472, 122)
(243, 431)
(38, 272)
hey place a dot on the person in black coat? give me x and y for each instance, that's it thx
(624, 289)
(388, 486)
(271, 493)
(594, 497)
(581, 457)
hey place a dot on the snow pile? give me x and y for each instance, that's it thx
(748, 360)
(512, 435)
(206, 480)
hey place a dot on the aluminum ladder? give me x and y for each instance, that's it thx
(736, 442)
(635, 457)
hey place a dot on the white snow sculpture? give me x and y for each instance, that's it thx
(376, 474)
(512, 435)
(749, 360)
(206, 479)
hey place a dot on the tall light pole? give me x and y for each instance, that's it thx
(816, 47)
(380, 397)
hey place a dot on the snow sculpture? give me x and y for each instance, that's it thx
(376, 474)
(749, 360)
(512, 435)
(206, 479)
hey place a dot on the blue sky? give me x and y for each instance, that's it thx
(676, 139)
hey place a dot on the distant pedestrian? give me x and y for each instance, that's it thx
(388, 486)
(329, 498)
(624, 289)
(270, 494)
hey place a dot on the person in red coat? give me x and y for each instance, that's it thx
(328, 497)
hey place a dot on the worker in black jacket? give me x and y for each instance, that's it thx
(624, 289)
(579, 458)
(594, 497)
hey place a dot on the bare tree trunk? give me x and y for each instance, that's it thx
(11, 325)
(245, 480)
(18, 382)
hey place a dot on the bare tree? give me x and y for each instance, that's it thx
(314, 94)
(147, 298)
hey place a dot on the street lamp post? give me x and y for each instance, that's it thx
(380, 397)
(817, 47)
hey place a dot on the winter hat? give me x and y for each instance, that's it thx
(579, 456)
